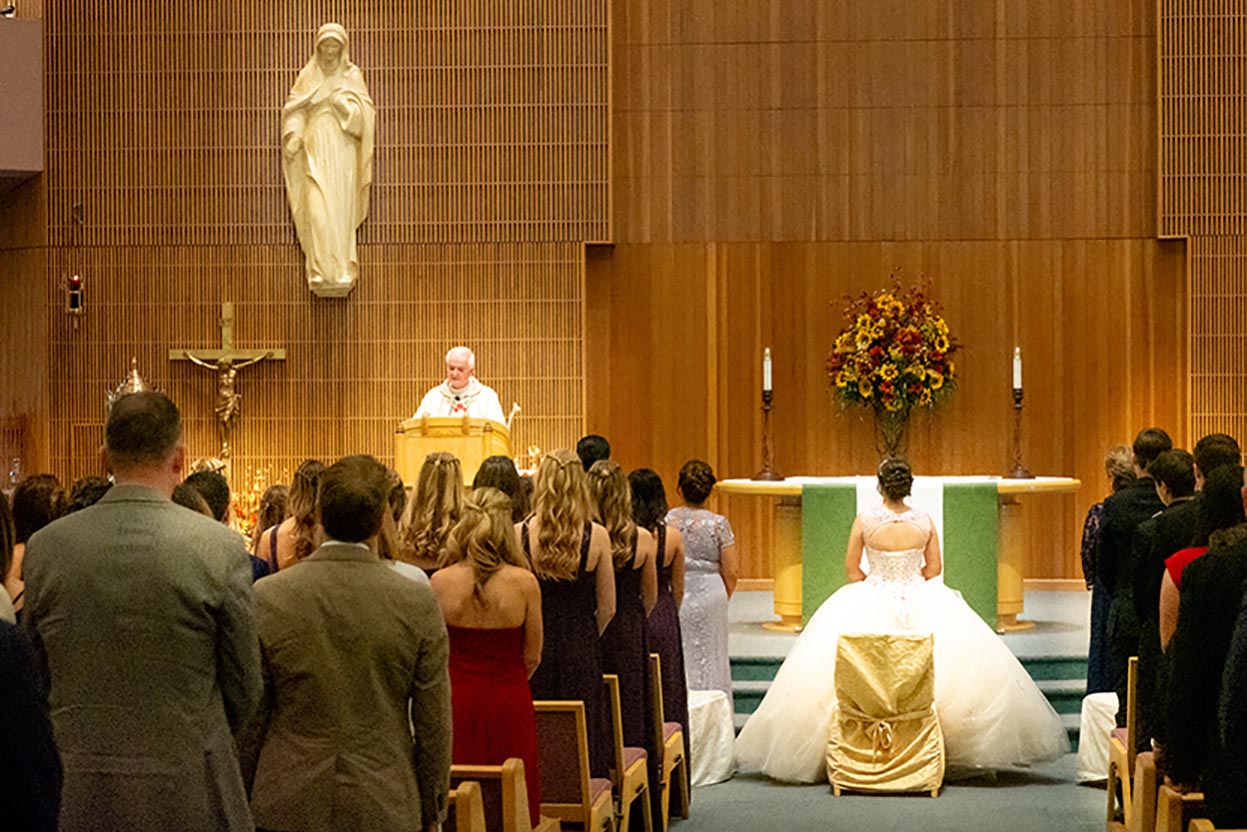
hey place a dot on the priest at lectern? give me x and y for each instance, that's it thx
(461, 394)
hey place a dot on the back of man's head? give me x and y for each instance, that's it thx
(1149, 444)
(215, 490)
(592, 448)
(143, 430)
(1175, 469)
(353, 494)
(1215, 450)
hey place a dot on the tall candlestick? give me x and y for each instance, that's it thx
(1017, 368)
(766, 370)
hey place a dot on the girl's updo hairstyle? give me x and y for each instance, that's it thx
(696, 481)
(896, 479)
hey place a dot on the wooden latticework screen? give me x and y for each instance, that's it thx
(1203, 194)
(165, 193)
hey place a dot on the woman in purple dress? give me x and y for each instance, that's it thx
(649, 508)
(571, 557)
(625, 645)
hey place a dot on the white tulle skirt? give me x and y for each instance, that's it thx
(992, 714)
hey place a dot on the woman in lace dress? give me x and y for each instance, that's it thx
(991, 712)
(710, 570)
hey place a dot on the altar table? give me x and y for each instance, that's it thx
(792, 597)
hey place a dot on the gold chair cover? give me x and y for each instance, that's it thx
(885, 735)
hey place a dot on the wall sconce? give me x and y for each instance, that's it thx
(74, 299)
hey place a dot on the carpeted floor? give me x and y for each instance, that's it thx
(1043, 800)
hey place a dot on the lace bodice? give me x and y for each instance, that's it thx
(894, 566)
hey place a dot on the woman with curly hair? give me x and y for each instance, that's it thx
(296, 537)
(434, 508)
(710, 579)
(625, 643)
(992, 714)
(492, 607)
(571, 557)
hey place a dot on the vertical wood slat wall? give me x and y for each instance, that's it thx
(165, 192)
(1202, 194)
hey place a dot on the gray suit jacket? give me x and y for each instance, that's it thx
(142, 611)
(353, 731)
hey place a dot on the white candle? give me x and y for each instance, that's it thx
(766, 370)
(1017, 368)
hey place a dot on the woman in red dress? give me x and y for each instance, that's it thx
(492, 607)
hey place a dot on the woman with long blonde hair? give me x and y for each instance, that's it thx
(434, 508)
(298, 535)
(571, 557)
(492, 607)
(625, 646)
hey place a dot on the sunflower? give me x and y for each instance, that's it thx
(937, 379)
(864, 389)
(888, 372)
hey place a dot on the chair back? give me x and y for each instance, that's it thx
(466, 809)
(655, 699)
(1132, 712)
(503, 793)
(563, 752)
(885, 674)
(610, 685)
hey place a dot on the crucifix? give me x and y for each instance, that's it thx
(226, 362)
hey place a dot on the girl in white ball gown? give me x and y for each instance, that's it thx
(992, 714)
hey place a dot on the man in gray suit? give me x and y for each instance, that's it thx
(142, 612)
(353, 731)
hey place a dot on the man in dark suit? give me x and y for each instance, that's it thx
(30, 789)
(1226, 787)
(352, 650)
(1124, 511)
(1139, 577)
(142, 612)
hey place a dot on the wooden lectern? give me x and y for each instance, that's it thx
(470, 440)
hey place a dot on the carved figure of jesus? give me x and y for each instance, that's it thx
(228, 399)
(327, 134)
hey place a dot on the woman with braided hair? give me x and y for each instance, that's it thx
(492, 607)
(571, 557)
(992, 714)
(434, 508)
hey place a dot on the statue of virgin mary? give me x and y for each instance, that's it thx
(327, 133)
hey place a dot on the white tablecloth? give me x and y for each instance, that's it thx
(1099, 717)
(714, 737)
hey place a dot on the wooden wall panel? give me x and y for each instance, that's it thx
(849, 120)
(1102, 333)
(164, 119)
(353, 370)
(1202, 95)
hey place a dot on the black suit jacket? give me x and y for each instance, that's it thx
(1212, 594)
(1124, 510)
(1168, 532)
(1226, 789)
(30, 790)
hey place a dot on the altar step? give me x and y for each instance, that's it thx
(1063, 680)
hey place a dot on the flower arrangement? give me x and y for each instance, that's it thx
(245, 506)
(894, 354)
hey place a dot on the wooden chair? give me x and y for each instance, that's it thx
(568, 791)
(1144, 793)
(1205, 825)
(504, 796)
(1121, 751)
(467, 809)
(630, 775)
(668, 736)
(1174, 810)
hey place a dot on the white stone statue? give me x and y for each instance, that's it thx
(327, 134)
